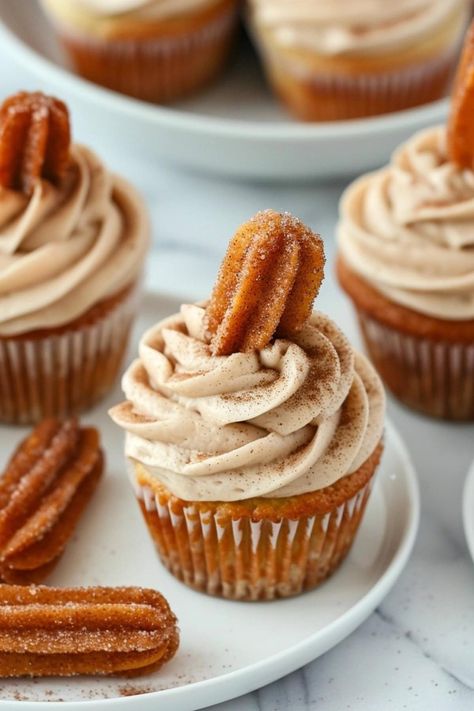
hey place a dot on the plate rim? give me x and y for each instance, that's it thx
(263, 131)
(467, 509)
(229, 686)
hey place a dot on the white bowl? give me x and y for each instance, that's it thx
(235, 129)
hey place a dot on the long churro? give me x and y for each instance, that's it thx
(70, 631)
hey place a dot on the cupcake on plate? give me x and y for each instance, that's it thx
(406, 259)
(73, 239)
(155, 50)
(343, 59)
(254, 430)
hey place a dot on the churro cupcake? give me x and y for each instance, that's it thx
(353, 58)
(155, 50)
(406, 241)
(254, 430)
(73, 239)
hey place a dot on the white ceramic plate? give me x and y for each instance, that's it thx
(468, 509)
(226, 647)
(236, 128)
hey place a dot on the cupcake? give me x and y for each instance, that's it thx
(253, 429)
(345, 59)
(73, 239)
(406, 259)
(155, 50)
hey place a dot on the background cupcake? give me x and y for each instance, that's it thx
(406, 239)
(156, 50)
(352, 58)
(73, 240)
(253, 457)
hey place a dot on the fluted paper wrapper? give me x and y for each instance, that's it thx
(243, 559)
(158, 69)
(434, 377)
(64, 374)
(332, 97)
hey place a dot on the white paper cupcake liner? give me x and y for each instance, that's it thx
(63, 374)
(434, 377)
(242, 559)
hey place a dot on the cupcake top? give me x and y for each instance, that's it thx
(106, 11)
(352, 26)
(67, 241)
(286, 415)
(408, 229)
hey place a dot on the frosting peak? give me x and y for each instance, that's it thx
(65, 248)
(292, 417)
(407, 229)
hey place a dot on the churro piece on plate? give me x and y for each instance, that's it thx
(73, 631)
(267, 283)
(43, 492)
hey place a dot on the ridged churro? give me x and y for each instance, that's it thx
(43, 491)
(267, 283)
(70, 631)
(460, 128)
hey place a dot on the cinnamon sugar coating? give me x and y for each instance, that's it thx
(460, 133)
(267, 283)
(70, 631)
(35, 137)
(43, 492)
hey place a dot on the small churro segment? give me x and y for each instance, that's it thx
(460, 132)
(43, 492)
(267, 283)
(71, 631)
(35, 137)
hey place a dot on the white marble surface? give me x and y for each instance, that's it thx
(416, 652)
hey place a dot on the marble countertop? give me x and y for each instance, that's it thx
(416, 651)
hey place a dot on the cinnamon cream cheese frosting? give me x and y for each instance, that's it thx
(408, 229)
(352, 26)
(291, 418)
(64, 249)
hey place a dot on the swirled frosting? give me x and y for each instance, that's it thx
(409, 229)
(291, 418)
(65, 249)
(352, 26)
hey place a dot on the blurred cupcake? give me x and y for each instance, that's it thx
(73, 240)
(353, 58)
(406, 241)
(253, 429)
(155, 50)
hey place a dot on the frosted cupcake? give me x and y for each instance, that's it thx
(155, 50)
(406, 240)
(254, 430)
(353, 58)
(73, 238)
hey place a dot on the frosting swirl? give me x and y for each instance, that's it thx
(292, 418)
(66, 248)
(408, 229)
(348, 26)
(129, 10)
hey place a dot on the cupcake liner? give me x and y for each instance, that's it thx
(158, 69)
(329, 97)
(61, 374)
(434, 377)
(245, 559)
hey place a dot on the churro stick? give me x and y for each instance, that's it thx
(70, 631)
(266, 285)
(43, 492)
(461, 125)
